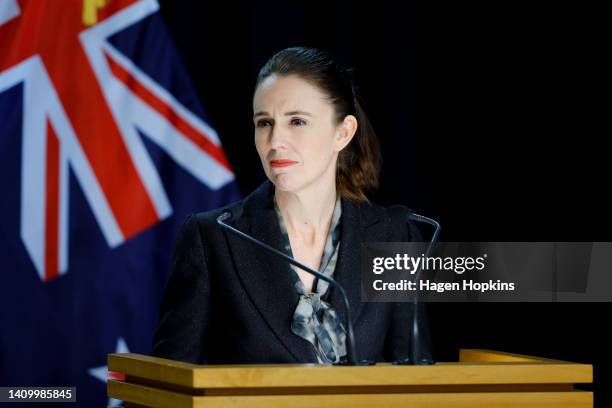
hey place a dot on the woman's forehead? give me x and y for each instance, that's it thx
(288, 93)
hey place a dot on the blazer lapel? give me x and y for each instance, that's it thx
(361, 223)
(266, 277)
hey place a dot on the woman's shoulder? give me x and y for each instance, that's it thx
(393, 213)
(394, 218)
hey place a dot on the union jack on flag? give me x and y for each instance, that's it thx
(104, 149)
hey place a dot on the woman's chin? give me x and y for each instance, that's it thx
(285, 183)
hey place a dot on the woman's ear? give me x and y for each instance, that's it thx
(346, 131)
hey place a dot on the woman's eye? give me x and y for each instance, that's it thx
(263, 123)
(298, 122)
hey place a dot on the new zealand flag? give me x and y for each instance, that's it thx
(104, 150)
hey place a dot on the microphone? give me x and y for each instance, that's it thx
(351, 348)
(421, 218)
(418, 357)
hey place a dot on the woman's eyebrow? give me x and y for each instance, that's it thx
(295, 112)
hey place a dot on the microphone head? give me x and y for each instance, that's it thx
(224, 216)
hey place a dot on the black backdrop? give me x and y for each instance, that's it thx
(490, 121)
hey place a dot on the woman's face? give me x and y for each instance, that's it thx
(297, 135)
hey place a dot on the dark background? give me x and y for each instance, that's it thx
(490, 121)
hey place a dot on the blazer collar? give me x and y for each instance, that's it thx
(266, 277)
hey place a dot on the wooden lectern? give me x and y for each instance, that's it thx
(480, 379)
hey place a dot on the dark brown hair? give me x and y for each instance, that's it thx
(358, 167)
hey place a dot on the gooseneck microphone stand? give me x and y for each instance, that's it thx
(417, 356)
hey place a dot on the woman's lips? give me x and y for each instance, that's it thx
(282, 163)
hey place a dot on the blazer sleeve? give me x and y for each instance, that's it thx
(185, 308)
(402, 334)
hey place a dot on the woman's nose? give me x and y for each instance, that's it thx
(278, 138)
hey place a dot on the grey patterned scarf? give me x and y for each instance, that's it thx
(315, 320)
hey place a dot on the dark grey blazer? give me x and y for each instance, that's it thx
(227, 301)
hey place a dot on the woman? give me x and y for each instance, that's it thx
(227, 300)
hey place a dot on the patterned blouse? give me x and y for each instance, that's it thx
(314, 319)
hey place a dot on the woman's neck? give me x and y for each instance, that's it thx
(309, 211)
